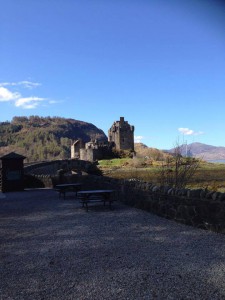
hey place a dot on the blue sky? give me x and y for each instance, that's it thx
(158, 63)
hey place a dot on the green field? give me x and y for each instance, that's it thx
(208, 175)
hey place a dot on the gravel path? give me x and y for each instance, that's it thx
(53, 249)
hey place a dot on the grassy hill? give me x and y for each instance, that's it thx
(150, 153)
(45, 138)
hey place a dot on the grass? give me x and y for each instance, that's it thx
(208, 175)
(116, 162)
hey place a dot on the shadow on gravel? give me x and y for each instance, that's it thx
(52, 248)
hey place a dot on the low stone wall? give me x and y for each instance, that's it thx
(199, 208)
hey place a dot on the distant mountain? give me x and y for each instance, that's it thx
(199, 150)
(45, 138)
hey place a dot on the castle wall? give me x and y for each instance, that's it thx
(75, 148)
(91, 154)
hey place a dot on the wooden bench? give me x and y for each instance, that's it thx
(62, 189)
(93, 196)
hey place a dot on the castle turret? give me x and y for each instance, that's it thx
(75, 148)
(121, 134)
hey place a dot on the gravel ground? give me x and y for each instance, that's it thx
(53, 249)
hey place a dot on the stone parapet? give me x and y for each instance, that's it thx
(196, 207)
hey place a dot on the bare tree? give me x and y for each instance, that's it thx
(177, 171)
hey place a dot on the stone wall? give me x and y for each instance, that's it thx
(91, 154)
(199, 208)
(51, 167)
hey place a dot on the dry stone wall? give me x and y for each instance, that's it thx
(199, 208)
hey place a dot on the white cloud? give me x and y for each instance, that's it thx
(14, 95)
(53, 101)
(29, 102)
(138, 138)
(7, 95)
(29, 84)
(187, 131)
(25, 83)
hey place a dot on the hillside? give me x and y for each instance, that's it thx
(206, 152)
(45, 138)
(152, 153)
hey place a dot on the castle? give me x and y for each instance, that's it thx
(120, 137)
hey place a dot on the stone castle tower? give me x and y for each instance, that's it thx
(121, 134)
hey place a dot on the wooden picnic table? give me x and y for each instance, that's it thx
(91, 196)
(67, 187)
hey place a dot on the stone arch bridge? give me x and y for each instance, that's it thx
(52, 167)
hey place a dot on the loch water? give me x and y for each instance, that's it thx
(217, 161)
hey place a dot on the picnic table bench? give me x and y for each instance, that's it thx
(67, 187)
(92, 196)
